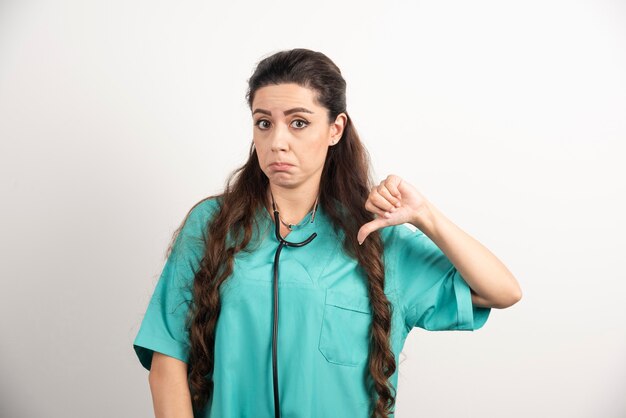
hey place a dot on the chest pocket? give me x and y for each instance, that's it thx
(344, 337)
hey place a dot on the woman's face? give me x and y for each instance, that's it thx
(289, 127)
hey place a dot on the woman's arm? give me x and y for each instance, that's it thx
(395, 201)
(169, 387)
(491, 282)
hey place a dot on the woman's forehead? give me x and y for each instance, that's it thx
(283, 97)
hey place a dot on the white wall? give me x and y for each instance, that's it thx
(117, 116)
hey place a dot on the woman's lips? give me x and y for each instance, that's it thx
(281, 166)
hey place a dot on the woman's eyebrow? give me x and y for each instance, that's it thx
(287, 112)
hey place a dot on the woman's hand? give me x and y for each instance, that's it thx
(395, 202)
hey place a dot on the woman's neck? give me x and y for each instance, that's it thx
(293, 204)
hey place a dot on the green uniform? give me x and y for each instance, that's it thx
(324, 315)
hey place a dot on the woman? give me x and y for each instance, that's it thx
(214, 339)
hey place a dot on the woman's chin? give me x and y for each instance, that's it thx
(283, 180)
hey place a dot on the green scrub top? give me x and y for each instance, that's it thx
(324, 315)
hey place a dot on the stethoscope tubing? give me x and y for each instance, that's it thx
(282, 243)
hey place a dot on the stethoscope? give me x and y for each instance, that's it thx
(283, 243)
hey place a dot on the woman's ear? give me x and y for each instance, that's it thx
(337, 127)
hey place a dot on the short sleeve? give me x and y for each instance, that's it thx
(433, 293)
(163, 328)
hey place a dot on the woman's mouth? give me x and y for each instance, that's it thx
(281, 166)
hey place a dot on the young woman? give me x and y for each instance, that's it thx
(293, 291)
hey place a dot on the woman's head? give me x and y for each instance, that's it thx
(290, 127)
(298, 103)
(280, 83)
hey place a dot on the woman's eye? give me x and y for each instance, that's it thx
(302, 123)
(296, 123)
(260, 122)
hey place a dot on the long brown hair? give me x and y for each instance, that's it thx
(346, 178)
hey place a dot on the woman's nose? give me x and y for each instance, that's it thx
(279, 137)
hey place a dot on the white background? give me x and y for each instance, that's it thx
(510, 117)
